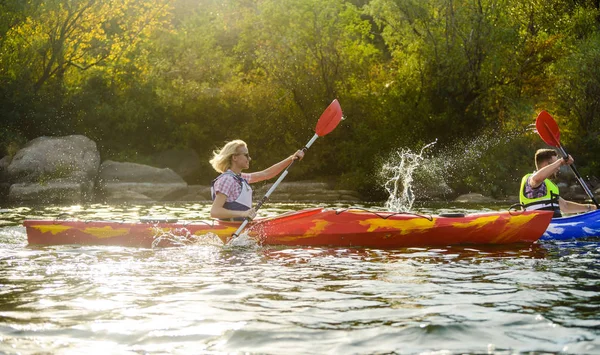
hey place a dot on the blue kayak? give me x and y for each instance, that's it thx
(585, 225)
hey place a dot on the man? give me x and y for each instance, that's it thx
(538, 192)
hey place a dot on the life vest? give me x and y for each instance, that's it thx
(243, 202)
(548, 202)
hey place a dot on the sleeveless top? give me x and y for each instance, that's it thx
(243, 202)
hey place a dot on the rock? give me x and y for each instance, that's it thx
(185, 162)
(576, 193)
(510, 198)
(112, 171)
(122, 194)
(51, 192)
(74, 158)
(428, 186)
(120, 182)
(195, 193)
(580, 197)
(54, 170)
(474, 198)
(139, 191)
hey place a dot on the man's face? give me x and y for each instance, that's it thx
(551, 161)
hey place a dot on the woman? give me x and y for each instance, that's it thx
(231, 191)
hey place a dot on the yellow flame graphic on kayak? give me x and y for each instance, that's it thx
(221, 232)
(513, 226)
(476, 223)
(317, 229)
(105, 232)
(314, 231)
(54, 228)
(406, 226)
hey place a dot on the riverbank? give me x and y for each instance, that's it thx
(69, 170)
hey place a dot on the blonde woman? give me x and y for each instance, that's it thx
(231, 191)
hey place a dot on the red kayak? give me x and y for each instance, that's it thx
(311, 227)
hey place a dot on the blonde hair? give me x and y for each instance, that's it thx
(221, 160)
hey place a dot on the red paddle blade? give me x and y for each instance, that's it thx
(547, 128)
(329, 119)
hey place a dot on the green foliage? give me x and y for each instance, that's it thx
(142, 76)
(577, 103)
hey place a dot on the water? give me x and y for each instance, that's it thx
(397, 172)
(491, 163)
(212, 299)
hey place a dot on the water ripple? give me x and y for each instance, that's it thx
(209, 298)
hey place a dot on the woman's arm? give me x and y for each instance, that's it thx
(218, 211)
(272, 171)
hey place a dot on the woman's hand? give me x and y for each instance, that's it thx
(272, 171)
(298, 155)
(250, 214)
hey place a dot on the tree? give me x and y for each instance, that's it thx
(53, 47)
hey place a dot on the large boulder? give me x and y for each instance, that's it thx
(54, 191)
(194, 193)
(431, 185)
(132, 182)
(54, 170)
(185, 162)
(75, 158)
(112, 171)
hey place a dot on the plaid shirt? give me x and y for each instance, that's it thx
(537, 192)
(229, 186)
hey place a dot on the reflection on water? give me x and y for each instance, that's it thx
(210, 298)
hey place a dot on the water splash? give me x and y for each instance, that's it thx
(481, 164)
(243, 241)
(398, 173)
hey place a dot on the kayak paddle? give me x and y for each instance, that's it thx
(548, 130)
(329, 119)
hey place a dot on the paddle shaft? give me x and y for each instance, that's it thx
(573, 168)
(266, 197)
(579, 178)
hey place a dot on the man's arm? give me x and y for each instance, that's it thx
(574, 207)
(547, 171)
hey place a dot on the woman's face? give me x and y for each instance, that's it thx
(241, 158)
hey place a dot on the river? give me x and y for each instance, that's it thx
(212, 299)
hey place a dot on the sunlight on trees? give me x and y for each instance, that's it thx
(141, 76)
